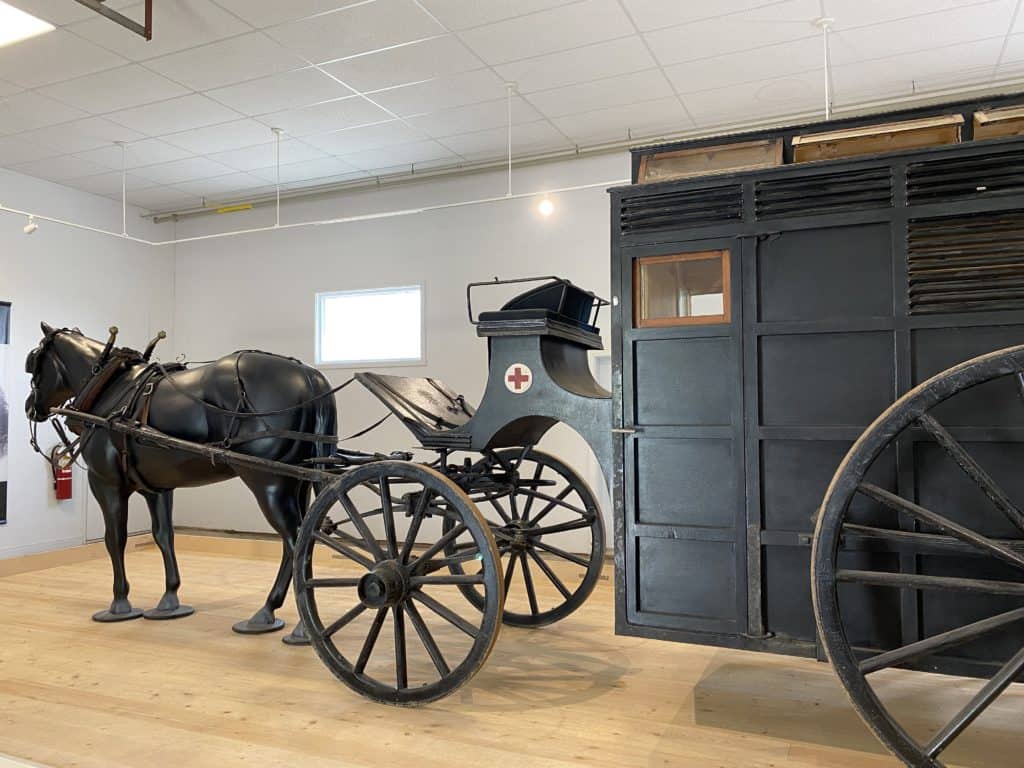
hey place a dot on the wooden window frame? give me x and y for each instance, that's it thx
(668, 322)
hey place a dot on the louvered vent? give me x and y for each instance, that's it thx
(824, 193)
(681, 209)
(966, 263)
(964, 178)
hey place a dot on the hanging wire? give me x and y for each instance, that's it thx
(277, 134)
(825, 24)
(124, 188)
(509, 88)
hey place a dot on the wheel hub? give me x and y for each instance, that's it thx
(516, 535)
(384, 586)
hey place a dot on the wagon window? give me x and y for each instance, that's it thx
(681, 289)
(375, 326)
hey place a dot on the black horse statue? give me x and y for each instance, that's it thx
(255, 402)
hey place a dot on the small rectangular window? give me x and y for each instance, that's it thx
(5, 322)
(682, 289)
(379, 325)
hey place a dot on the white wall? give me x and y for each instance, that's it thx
(257, 291)
(68, 278)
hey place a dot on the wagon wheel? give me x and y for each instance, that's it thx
(838, 528)
(356, 576)
(550, 534)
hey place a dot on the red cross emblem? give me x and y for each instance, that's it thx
(518, 378)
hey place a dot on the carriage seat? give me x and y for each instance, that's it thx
(431, 411)
(552, 309)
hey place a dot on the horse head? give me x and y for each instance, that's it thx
(59, 366)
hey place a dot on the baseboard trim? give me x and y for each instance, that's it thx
(64, 552)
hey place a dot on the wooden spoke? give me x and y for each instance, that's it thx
(388, 512)
(414, 526)
(341, 549)
(371, 640)
(916, 581)
(508, 574)
(360, 524)
(446, 613)
(552, 576)
(575, 525)
(581, 561)
(914, 542)
(941, 642)
(447, 579)
(401, 660)
(501, 512)
(528, 580)
(440, 544)
(344, 620)
(535, 480)
(552, 502)
(466, 556)
(343, 581)
(972, 469)
(918, 512)
(989, 693)
(427, 639)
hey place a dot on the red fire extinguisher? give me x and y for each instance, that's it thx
(62, 464)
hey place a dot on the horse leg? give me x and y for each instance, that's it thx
(160, 506)
(114, 503)
(298, 635)
(279, 503)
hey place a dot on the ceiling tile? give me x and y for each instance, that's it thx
(914, 72)
(476, 117)
(530, 137)
(462, 14)
(773, 61)
(299, 88)
(59, 12)
(557, 29)
(163, 199)
(109, 184)
(245, 57)
(356, 29)
(264, 13)
(364, 137)
(27, 110)
(654, 14)
(1014, 49)
(592, 62)
(305, 170)
(329, 116)
(442, 93)
(627, 121)
(264, 155)
(9, 89)
(17, 150)
(58, 168)
(920, 33)
(222, 137)
(227, 185)
(137, 154)
(114, 89)
(81, 135)
(57, 55)
(586, 97)
(849, 14)
(174, 115)
(745, 31)
(405, 64)
(767, 100)
(183, 170)
(400, 154)
(176, 25)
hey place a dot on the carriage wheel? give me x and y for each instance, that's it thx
(913, 529)
(550, 534)
(359, 572)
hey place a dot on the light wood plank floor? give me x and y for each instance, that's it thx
(192, 693)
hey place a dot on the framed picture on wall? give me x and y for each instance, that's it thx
(5, 337)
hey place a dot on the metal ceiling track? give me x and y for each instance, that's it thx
(143, 30)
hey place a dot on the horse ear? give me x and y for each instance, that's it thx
(47, 328)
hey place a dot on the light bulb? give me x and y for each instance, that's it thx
(546, 207)
(31, 227)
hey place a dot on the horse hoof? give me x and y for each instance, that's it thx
(295, 638)
(108, 617)
(250, 627)
(163, 614)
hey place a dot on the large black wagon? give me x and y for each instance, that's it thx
(775, 292)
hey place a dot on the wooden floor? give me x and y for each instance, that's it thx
(192, 693)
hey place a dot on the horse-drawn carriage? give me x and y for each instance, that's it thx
(391, 541)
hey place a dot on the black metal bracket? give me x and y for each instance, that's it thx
(144, 30)
(598, 301)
